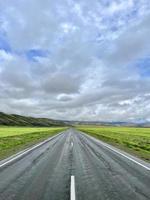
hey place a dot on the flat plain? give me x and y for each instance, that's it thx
(131, 139)
(14, 139)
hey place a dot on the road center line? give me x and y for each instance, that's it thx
(72, 144)
(72, 189)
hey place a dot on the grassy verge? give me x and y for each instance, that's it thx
(16, 139)
(133, 140)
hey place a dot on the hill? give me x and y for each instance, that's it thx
(18, 120)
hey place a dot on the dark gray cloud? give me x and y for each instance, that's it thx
(61, 83)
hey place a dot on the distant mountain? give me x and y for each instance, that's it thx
(18, 120)
(117, 123)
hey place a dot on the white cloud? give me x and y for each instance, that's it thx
(5, 56)
(121, 6)
(131, 44)
(89, 70)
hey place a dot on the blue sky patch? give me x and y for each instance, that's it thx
(34, 53)
(4, 44)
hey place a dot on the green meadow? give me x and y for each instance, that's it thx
(11, 131)
(14, 139)
(131, 139)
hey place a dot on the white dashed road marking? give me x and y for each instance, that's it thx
(72, 189)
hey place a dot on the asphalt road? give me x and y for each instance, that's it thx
(98, 172)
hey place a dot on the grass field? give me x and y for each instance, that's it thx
(133, 140)
(14, 139)
(6, 131)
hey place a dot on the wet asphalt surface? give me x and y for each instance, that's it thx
(100, 174)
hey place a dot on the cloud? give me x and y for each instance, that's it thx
(67, 60)
(64, 97)
(131, 44)
(61, 83)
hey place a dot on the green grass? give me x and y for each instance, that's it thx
(11, 131)
(133, 140)
(14, 139)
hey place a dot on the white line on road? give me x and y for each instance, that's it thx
(72, 144)
(122, 154)
(72, 189)
(127, 157)
(19, 155)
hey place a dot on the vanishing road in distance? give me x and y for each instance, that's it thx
(72, 165)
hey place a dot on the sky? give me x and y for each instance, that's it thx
(75, 59)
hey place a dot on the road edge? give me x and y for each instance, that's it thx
(116, 150)
(20, 154)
